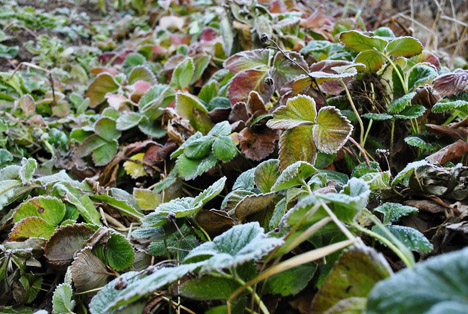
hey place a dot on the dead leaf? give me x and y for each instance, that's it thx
(448, 153)
(452, 83)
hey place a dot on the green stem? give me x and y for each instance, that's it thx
(409, 258)
(452, 117)
(392, 133)
(367, 131)
(208, 238)
(255, 295)
(386, 242)
(350, 99)
(402, 80)
(306, 185)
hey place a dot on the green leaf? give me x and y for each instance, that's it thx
(201, 62)
(297, 145)
(449, 105)
(245, 181)
(224, 148)
(291, 281)
(240, 244)
(106, 128)
(103, 84)
(209, 288)
(433, 286)
(408, 170)
(5, 156)
(354, 275)
(62, 300)
(186, 206)
(384, 32)
(152, 129)
(156, 98)
(420, 143)
(266, 174)
(199, 148)
(31, 227)
(371, 59)
(410, 237)
(393, 211)
(189, 169)
(251, 59)
(120, 205)
(298, 111)
(404, 47)
(133, 59)
(137, 286)
(332, 130)
(208, 92)
(119, 252)
(128, 120)
(50, 209)
(346, 205)
(90, 144)
(141, 73)
(411, 112)
(401, 103)
(221, 129)
(294, 175)
(420, 74)
(377, 116)
(360, 42)
(82, 202)
(183, 73)
(28, 166)
(104, 154)
(194, 111)
(211, 192)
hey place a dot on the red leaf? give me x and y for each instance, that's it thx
(246, 81)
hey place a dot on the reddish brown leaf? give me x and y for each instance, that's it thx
(441, 131)
(448, 153)
(208, 34)
(249, 80)
(425, 97)
(111, 71)
(452, 83)
(258, 146)
(239, 112)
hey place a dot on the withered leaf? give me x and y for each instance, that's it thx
(64, 243)
(452, 83)
(258, 146)
(88, 271)
(448, 153)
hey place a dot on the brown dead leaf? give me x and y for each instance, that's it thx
(452, 83)
(258, 145)
(448, 153)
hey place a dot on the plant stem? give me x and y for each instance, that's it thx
(402, 80)
(385, 241)
(306, 185)
(350, 99)
(362, 150)
(392, 133)
(367, 131)
(401, 247)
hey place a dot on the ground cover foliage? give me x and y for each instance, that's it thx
(244, 156)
